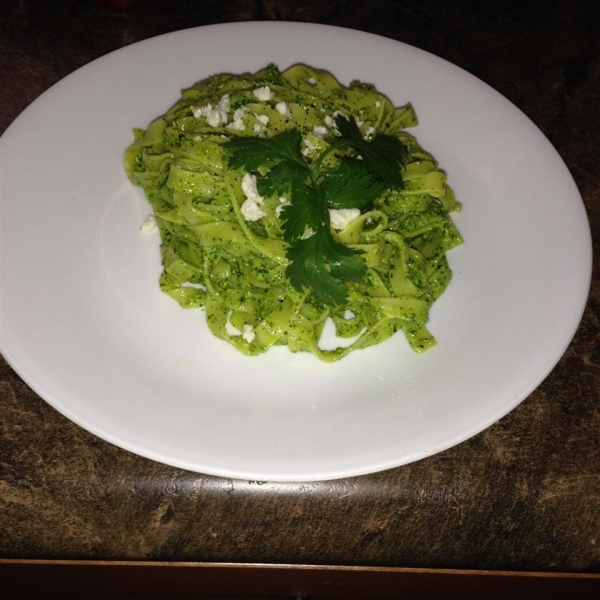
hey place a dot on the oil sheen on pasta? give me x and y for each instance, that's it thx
(214, 257)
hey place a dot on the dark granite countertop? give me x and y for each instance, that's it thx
(523, 495)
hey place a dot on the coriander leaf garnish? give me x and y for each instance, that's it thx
(284, 176)
(251, 153)
(350, 185)
(306, 213)
(317, 261)
(322, 265)
(383, 155)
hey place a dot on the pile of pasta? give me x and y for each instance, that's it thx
(214, 257)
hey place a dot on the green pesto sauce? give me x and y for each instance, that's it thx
(213, 257)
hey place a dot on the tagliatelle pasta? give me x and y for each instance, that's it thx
(223, 245)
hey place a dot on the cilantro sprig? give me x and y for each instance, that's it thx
(383, 156)
(282, 153)
(351, 185)
(365, 170)
(320, 263)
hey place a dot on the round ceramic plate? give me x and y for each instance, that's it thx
(85, 325)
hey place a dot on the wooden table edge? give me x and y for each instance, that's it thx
(132, 579)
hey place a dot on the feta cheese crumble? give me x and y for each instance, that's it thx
(309, 147)
(201, 111)
(248, 333)
(216, 116)
(283, 109)
(341, 217)
(149, 225)
(237, 124)
(319, 131)
(213, 118)
(251, 209)
(239, 113)
(249, 186)
(264, 94)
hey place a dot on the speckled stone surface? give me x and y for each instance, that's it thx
(524, 494)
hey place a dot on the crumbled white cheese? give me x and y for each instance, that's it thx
(283, 109)
(309, 147)
(224, 103)
(214, 116)
(201, 111)
(377, 104)
(264, 94)
(340, 113)
(340, 217)
(238, 113)
(251, 209)
(348, 315)
(149, 225)
(264, 119)
(370, 132)
(329, 121)
(248, 333)
(319, 131)
(249, 186)
(237, 124)
(257, 128)
(312, 81)
(358, 122)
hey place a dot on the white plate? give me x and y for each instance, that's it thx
(85, 325)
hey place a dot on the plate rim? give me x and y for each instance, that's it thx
(38, 387)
